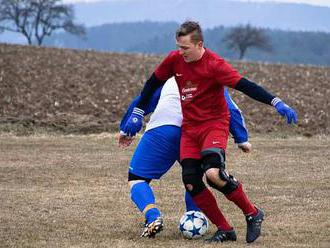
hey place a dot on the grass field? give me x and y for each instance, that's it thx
(71, 191)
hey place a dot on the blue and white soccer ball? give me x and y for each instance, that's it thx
(193, 224)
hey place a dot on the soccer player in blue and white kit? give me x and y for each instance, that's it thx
(158, 149)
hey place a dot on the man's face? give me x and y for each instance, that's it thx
(189, 50)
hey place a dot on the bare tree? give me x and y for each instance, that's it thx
(245, 36)
(36, 19)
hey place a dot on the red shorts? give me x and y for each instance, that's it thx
(196, 138)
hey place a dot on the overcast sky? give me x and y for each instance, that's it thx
(313, 2)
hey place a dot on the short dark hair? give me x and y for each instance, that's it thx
(190, 27)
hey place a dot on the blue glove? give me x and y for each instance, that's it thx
(285, 110)
(134, 122)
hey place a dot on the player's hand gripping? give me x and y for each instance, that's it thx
(134, 122)
(124, 140)
(286, 111)
(245, 147)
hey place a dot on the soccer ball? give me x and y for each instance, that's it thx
(193, 224)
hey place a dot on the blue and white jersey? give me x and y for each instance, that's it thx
(168, 110)
(165, 107)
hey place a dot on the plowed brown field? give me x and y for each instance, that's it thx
(87, 92)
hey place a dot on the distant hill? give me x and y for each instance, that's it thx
(158, 38)
(210, 13)
(86, 91)
(119, 37)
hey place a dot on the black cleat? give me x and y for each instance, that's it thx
(150, 230)
(222, 236)
(254, 226)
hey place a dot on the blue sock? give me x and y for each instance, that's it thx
(143, 197)
(190, 205)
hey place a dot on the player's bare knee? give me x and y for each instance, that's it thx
(212, 173)
(214, 167)
(216, 182)
(226, 183)
(213, 179)
(212, 176)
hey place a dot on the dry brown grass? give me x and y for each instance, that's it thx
(71, 191)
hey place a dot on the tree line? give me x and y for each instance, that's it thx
(37, 19)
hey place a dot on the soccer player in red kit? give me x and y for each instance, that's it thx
(201, 76)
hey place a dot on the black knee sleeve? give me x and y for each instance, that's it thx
(231, 185)
(192, 176)
(213, 158)
(132, 177)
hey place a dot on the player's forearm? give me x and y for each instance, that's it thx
(154, 101)
(255, 91)
(260, 94)
(149, 109)
(128, 113)
(150, 87)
